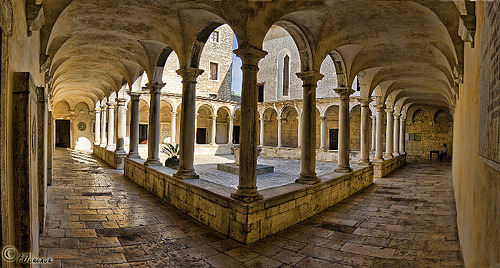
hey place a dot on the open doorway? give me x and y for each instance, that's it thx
(63, 136)
(143, 133)
(334, 139)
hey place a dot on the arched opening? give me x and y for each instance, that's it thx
(270, 127)
(355, 128)
(332, 127)
(236, 126)
(289, 128)
(222, 132)
(166, 122)
(204, 124)
(143, 122)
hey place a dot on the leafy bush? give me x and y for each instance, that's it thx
(171, 150)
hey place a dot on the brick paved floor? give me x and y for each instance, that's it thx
(405, 220)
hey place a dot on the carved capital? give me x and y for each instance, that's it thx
(134, 96)
(155, 87)
(365, 102)
(389, 110)
(344, 92)
(35, 18)
(379, 107)
(121, 101)
(249, 55)
(189, 74)
(310, 77)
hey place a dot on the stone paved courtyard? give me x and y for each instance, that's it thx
(405, 220)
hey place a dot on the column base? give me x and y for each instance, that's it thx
(387, 156)
(110, 147)
(152, 162)
(186, 174)
(365, 163)
(133, 155)
(343, 169)
(308, 179)
(97, 143)
(378, 160)
(120, 151)
(247, 195)
(395, 154)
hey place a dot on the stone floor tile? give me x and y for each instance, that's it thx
(242, 254)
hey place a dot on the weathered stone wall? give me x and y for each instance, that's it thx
(433, 132)
(476, 184)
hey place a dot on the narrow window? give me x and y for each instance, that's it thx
(260, 93)
(286, 75)
(213, 70)
(215, 37)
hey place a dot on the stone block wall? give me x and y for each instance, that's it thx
(110, 157)
(382, 168)
(247, 222)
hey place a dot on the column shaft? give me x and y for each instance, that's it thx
(380, 127)
(389, 133)
(374, 131)
(104, 117)
(308, 150)
(187, 135)
(154, 124)
(97, 126)
(121, 127)
(323, 133)
(279, 131)
(247, 187)
(111, 125)
(344, 131)
(214, 129)
(230, 133)
(133, 151)
(261, 136)
(365, 150)
(395, 151)
(173, 128)
(402, 134)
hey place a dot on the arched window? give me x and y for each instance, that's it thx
(286, 75)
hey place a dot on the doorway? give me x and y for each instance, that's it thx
(236, 134)
(201, 136)
(63, 136)
(143, 133)
(260, 93)
(334, 139)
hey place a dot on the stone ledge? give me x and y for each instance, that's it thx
(383, 168)
(235, 169)
(110, 157)
(281, 207)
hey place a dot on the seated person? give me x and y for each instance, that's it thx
(443, 153)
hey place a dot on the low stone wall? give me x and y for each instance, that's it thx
(110, 157)
(382, 168)
(247, 222)
(294, 153)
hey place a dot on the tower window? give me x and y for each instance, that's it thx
(214, 71)
(215, 36)
(286, 75)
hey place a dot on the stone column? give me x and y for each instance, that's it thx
(121, 127)
(187, 135)
(279, 131)
(247, 187)
(402, 134)
(50, 146)
(374, 131)
(344, 130)
(214, 129)
(299, 132)
(323, 133)
(230, 134)
(104, 117)
(388, 134)
(42, 157)
(133, 151)
(365, 150)
(308, 150)
(378, 147)
(111, 124)
(396, 135)
(261, 136)
(97, 126)
(173, 128)
(154, 124)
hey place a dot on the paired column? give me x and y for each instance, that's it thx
(279, 130)
(389, 133)
(365, 150)
(396, 134)
(308, 150)
(121, 127)
(154, 124)
(247, 187)
(231, 123)
(133, 151)
(187, 135)
(344, 130)
(378, 147)
(173, 128)
(261, 136)
(323, 133)
(97, 126)
(214, 129)
(374, 131)
(402, 132)
(111, 124)
(104, 140)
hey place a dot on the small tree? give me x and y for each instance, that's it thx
(171, 150)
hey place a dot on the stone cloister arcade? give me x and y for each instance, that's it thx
(413, 60)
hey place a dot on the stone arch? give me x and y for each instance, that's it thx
(166, 121)
(204, 124)
(289, 127)
(222, 125)
(420, 115)
(270, 127)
